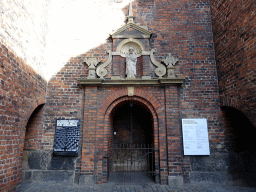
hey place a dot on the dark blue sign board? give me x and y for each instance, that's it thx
(66, 140)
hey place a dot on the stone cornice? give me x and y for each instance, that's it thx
(135, 82)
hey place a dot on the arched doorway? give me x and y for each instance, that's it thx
(132, 146)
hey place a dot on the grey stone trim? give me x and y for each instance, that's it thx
(125, 82)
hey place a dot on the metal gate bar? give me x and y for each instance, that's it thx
(133, 158)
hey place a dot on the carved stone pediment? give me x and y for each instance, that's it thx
(131, 30)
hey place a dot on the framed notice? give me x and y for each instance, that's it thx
(66, 138)
(195, 137)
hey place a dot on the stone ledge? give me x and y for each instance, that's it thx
(48, 175)
(137, 81)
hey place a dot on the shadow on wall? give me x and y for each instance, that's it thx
(64, 100)
(241, 146)
(37, 163)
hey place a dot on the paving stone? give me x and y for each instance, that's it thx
(65, 187)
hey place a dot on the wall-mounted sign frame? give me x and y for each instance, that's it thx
(66, 140)
(195, 137)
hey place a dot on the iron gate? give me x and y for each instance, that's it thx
(133, 158)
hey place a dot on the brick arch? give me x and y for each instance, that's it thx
(104, 127)
(228, 101)
(37, 101)
(123, 92)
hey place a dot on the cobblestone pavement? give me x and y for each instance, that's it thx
(66, 187)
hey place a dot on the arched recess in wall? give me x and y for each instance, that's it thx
(33, 139)
(227, 101)
(241, 145)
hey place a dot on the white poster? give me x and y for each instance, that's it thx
(195, 137)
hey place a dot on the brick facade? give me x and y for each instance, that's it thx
(191, 42)
(182, 28)
(22, 88)
(22, 91)
(234, 38)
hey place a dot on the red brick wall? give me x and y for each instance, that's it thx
(34, 130)
(22, 88)
(234, 38)
(21, 91)
(182, 28)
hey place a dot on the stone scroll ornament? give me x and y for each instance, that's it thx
(161, 69)
(101, 70)
(92, 62)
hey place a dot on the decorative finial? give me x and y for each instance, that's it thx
(170, 60)
(92, 62)
(130, 17)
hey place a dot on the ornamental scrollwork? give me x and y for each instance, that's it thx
(161, 69)
(101, 70)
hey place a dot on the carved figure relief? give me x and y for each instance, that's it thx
(131, 61)
(131, 51)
